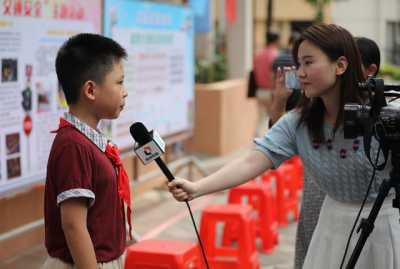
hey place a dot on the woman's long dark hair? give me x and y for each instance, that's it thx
(335, 42)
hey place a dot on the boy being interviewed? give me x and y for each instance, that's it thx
(86, 184)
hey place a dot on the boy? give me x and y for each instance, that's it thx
(86, 185)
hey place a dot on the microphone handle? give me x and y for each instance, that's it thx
(168, 174)
(164, 169)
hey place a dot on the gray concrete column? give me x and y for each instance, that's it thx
(239, 40)
(205, 42)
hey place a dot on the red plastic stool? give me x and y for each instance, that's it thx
(241, 256)
(262, 199)
(163, 254)
(286, 192)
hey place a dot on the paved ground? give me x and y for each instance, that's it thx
(157, 215)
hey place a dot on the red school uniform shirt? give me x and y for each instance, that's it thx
(78, 167)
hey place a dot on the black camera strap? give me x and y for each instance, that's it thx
(367, 148)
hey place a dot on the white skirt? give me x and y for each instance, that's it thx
(381, 250)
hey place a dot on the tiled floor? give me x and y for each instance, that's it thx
(157, 215)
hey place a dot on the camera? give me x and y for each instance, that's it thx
(376, 115)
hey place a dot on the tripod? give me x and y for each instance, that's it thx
(367, 225)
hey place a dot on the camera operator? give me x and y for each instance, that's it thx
(329, 69)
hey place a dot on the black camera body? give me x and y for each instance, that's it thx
(376, 116)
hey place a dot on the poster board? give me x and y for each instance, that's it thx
(159, 71)
(31, 101)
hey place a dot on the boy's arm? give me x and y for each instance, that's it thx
(73, 221)
(233, 174)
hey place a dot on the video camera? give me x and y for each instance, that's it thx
(376, 116)
(376, 119)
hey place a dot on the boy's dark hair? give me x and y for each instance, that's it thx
(271, 37)
(369, 51)
(85, 57)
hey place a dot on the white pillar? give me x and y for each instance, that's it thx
(239, 41)
(205, 48)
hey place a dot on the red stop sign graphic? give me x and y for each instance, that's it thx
(27, 125)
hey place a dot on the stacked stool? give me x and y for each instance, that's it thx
(163, 254)
(287, 191)
(220, 256)
(262, 199)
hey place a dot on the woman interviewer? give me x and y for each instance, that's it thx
(329, 69)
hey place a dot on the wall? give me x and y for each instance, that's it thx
(367, 18)
(284, 12)
(225, 119)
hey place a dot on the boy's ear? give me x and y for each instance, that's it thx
(88, 90)
(341, 65)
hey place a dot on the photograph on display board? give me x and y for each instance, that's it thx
(27, 91)
(13, 143)
(27, 98)
(14, 167)
(9, 70)
(43, 97)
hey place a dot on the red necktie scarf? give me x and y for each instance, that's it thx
(112, 153)
(124, 190)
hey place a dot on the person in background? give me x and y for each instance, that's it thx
(282, 100)
(263, 61)
(370, 56)
(87, 187)
(262, 73)
(329, 68)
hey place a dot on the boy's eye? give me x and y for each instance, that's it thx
(121, 82)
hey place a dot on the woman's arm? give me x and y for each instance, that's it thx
(233, 174)
(73, 221)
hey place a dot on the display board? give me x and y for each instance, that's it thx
(159, 71)
(31, 101)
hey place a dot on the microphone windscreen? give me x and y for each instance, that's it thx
(139, 133)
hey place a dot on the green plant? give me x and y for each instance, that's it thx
(390, 71)
(319, 6)
(217, 69)
(207, 72)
